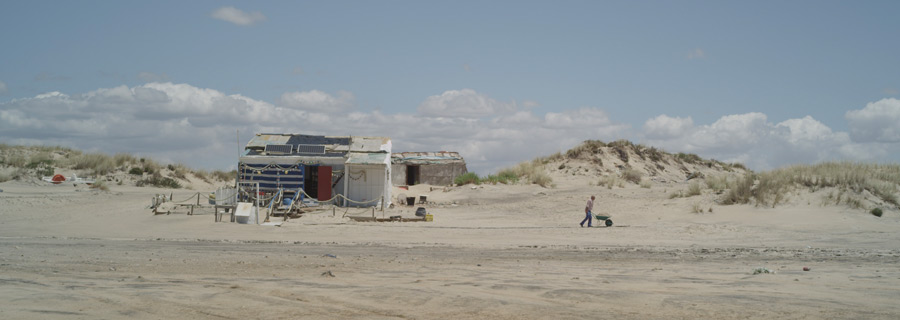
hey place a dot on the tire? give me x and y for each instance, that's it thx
(608, 222)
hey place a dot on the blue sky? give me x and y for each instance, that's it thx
(659, 72)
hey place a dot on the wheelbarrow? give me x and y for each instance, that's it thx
(607, 219)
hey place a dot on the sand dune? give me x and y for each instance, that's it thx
(493, 251)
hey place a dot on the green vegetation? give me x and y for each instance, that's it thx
(136, 171)
(159, 181)
(623, 148)
(876, 212)
(467, 178)
(532, 172)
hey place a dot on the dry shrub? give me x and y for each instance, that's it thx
(610, 181)
(124, 159)
(99, 185)
(631, 175)
(532, 171)
(553, 157)
(688, 158)
(621, 148)
(202, 175)
(646, 184)
(542, 179)
(694, 189)
(179, 171)
(654, 155)
(741, 191)
(97, 163)
(696, 208)
(585, 149)
(220, 175)
(717, 183)
(773, 187)
(150, 166)
(6, 175)
(15, 160)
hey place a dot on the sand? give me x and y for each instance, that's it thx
(498, 252)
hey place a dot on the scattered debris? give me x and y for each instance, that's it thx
(330, 255)
(806, 269)
(328, 274)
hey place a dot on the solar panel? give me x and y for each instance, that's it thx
(311, 148)
(278, 148)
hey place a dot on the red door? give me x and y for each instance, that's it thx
(324, 183)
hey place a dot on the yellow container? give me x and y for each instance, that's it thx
(429, 217)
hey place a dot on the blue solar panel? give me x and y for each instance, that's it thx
(310, 148)
(279, 148)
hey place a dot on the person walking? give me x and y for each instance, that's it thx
(587, 212)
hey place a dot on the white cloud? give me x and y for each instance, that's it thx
(751, 139)
(153, 77)
(696, 54)
(197, 126)
(464, 103)
(3, 89)
(318, 101)
(237, 16)
(664, 126)
(878, 122)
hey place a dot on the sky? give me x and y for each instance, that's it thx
(764, 83)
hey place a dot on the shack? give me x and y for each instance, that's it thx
(434, 168)
(350, 171)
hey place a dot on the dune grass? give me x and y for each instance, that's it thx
(467, 178)
(532, 172)
(611, 181)
(40, 161)
(772, 187)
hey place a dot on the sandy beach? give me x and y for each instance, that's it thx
(492, 251)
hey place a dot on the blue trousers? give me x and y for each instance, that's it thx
(587, 218)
